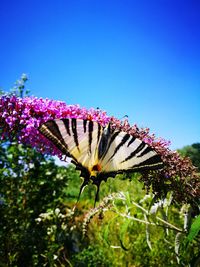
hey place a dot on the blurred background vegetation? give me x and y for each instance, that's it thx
(39, 227)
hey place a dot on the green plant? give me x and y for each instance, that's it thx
(92, 256)
(144, 231)
(30, 184)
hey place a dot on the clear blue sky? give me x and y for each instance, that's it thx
(140, 58)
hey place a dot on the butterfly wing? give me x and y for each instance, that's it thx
(89, 144)
(125, 153)
(75, 138)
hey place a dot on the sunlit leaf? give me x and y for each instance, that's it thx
(194, 229)
(179, 237)
(123, 231)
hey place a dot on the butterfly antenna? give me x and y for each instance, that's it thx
(85, 182)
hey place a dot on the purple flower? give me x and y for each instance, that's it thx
(22, 117)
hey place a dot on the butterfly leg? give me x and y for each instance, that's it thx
(84, 184)
(97, 183)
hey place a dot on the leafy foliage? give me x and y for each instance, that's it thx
(31, 185)
(39, 228)
(92, 256)
(125, 231)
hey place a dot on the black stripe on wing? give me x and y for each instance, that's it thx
(123, 141)
(135, 152)
(99, 132)
(75, 134)
(91, 125)
(90, 130)
(51, 131)
(84, 125)
(106, 142)
(132, 140)
(66, 123)
(145, 151)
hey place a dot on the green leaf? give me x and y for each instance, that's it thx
(147, 233)
(178, 239)
(107, 230)
(123, 231)
(128, 199)
(194, 229)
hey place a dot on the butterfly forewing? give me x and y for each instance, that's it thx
(52, 132)
(127, 153)
(74, 137)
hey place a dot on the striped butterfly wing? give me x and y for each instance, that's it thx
(126, 153)
(96, 148)
(75, 138)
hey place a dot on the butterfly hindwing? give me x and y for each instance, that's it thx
(127, 153)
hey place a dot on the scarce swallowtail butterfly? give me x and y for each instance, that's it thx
(99, 152)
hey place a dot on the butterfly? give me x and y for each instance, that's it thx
(100, 151)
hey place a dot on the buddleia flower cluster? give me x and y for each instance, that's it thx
(21, 117)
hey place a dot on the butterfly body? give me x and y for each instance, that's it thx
(100, 152)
